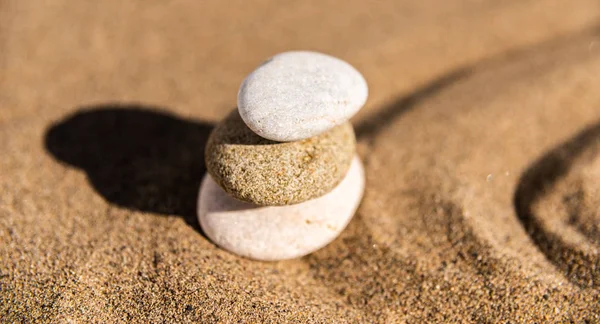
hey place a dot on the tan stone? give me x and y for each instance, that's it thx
(260, 171)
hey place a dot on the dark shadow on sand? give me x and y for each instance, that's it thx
(373, 124)
(135, 156)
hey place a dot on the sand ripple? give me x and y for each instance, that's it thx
(456, 208)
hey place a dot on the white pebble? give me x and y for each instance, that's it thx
(297, 95)
(279, 232)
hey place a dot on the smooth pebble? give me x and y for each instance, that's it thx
(283, 232)
(259, 171)
(297, 95)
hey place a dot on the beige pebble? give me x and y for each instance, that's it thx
(279, 232)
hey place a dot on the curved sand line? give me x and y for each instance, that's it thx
(557, 202)
(442, 173)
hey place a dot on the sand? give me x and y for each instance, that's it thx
(480, 142)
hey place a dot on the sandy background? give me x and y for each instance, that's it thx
(480, 142)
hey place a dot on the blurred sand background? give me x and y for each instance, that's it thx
(480, 141)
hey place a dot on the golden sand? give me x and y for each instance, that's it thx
(478, 139)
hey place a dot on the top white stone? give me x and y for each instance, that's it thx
(297, 95)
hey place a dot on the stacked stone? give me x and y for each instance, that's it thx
(283, 176)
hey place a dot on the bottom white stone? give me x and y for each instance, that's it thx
(279, 232)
